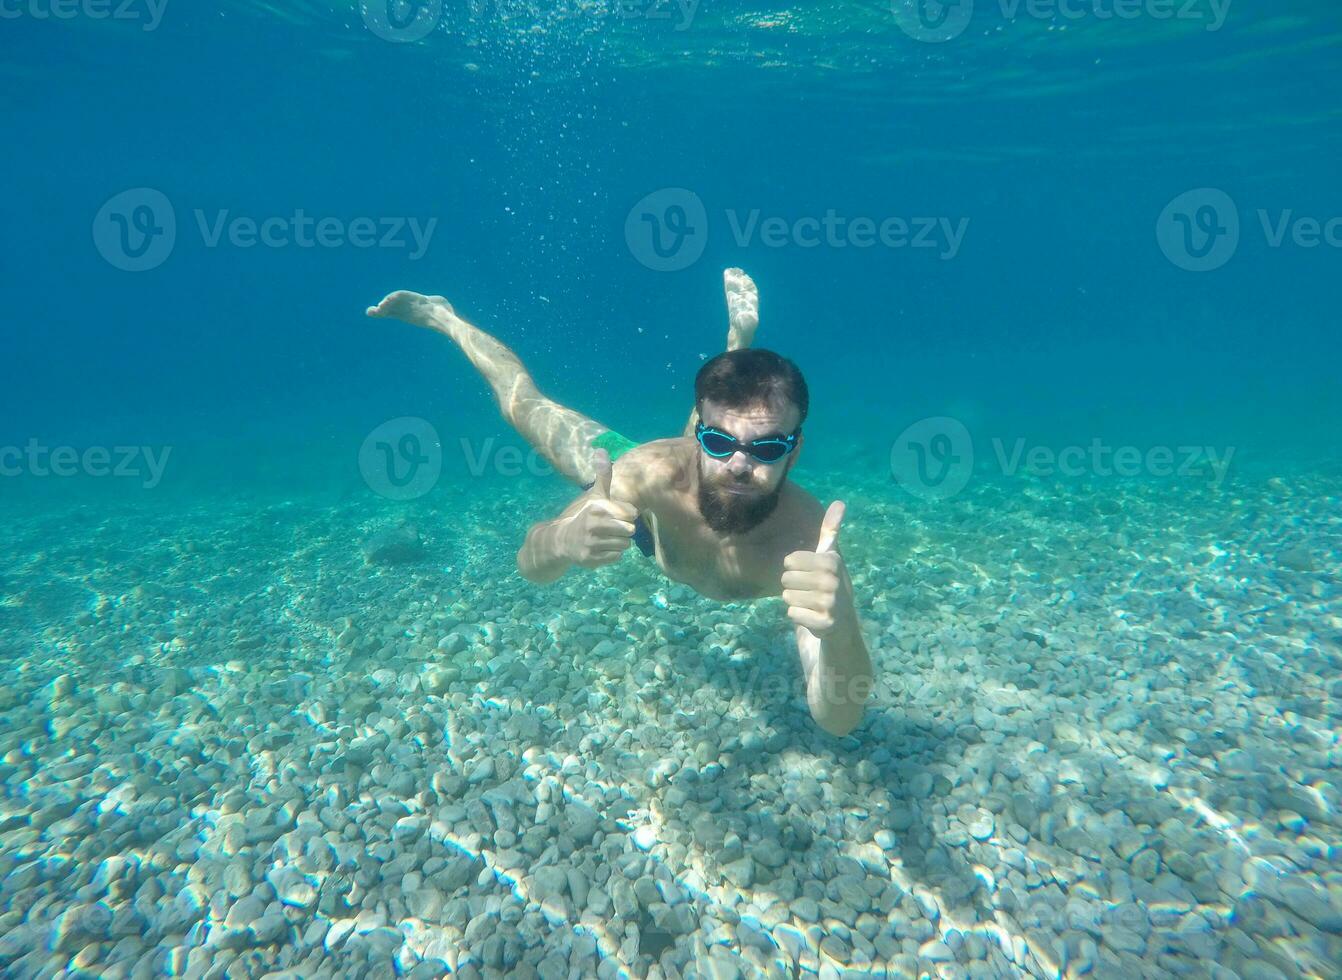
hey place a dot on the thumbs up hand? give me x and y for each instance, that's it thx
(812, 580)
(600, 532)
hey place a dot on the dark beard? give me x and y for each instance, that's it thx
(727, 513)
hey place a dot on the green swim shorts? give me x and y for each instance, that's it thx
(613, 443)
(617, 445)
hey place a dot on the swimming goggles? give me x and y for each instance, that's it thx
(770, 449)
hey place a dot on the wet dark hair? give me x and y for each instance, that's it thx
(737, 378)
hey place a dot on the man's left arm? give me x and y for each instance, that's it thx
(834, 659)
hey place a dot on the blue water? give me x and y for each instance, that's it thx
(1116, 691)
(1059, 318)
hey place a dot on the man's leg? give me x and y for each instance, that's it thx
(559, 434)
(743, 318)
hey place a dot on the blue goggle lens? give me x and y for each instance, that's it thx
(717, 444)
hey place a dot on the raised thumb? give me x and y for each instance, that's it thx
(602, 485)
(829, 527)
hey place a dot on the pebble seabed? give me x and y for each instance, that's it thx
(1104, 742)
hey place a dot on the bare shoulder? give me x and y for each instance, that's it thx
(804, 513)
(645, 472)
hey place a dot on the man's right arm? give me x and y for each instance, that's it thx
(545, 555)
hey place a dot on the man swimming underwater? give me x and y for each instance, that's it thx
(721, 515)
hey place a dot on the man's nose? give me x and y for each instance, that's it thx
(739, 465)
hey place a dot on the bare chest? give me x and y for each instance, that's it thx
(691, 553)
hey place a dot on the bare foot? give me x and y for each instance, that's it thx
(743, 308)
(434, 312)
